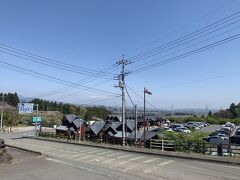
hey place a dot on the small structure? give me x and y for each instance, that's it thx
(95, 131)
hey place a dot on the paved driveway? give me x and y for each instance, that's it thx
(125, 165)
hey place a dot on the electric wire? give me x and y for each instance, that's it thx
(54, 79)
(190, 35)
(179, 57)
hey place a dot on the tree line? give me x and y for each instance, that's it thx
(10, 98)
(85, 113)
(232, 112)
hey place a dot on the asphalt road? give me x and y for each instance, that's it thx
(112, 164)
(29, 166)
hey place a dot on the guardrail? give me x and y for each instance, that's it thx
(162, 144)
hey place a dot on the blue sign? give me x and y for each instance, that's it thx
(24, 108)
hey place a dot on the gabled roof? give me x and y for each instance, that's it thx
(132, 135)
(112, 127)
(149, 135)
(78, 123)
(129, 136)
(114, 118)
(72, 129)
(70, 117)
(130, 125)
(97, 126)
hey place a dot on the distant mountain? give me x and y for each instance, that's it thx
(24, 99)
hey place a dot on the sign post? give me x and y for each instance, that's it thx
(36, 121)
(27, 108)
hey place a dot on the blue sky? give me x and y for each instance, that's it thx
(94, 34)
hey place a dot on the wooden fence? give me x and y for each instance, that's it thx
(164, 145)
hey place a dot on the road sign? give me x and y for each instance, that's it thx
(39, 119)
(24, 108)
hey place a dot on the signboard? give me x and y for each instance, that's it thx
(24, 108)
(39, 119)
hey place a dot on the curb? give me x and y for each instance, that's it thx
(24, 149)
(221, 160)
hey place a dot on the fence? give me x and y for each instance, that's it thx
(198, 146)
(164, 145)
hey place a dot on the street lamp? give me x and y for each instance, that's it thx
(144, 131)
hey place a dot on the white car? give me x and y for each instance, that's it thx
(182, 129)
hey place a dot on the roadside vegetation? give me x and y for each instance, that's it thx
(187, 142)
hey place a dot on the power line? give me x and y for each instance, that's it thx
(190, 35)
(39, 57)
(142, 98)
(78, 91)
(66, 88)
(130, 97)
(205, 40)
(192, 40)
(54, 79)
(106, 99)
(57, 66)
(179, 57)
(187, 24)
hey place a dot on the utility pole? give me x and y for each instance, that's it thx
(206, 113)
(36, 121)
(136, 123)
(121, 78)
(144, 113)
(1, 125)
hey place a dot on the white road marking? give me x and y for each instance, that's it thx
(156, 167)
(131, 167)
(114, 154)
(136, 158)
(96, 159)
(108, 161)
(102, 153)
(150, 160)
(124, 156)
(74, 156)
(96, 151)
(120, 163)
(85, 157)
(165, 163)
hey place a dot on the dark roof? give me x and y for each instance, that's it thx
(70, 117)
(129, 136)
(112, 127)
(78, 122)
(72, 129)
(132, 135)
(114, 118)
(149, 135)
(97, 126)
(130, 125)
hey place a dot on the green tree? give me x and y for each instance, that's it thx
(210, 114)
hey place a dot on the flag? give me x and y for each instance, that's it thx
(146, 91)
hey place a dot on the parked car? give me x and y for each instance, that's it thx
(235, 139)
(182, 129)
(217, 140)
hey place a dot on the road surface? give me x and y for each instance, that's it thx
(115, 164)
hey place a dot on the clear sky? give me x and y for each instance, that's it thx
(94, 34)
